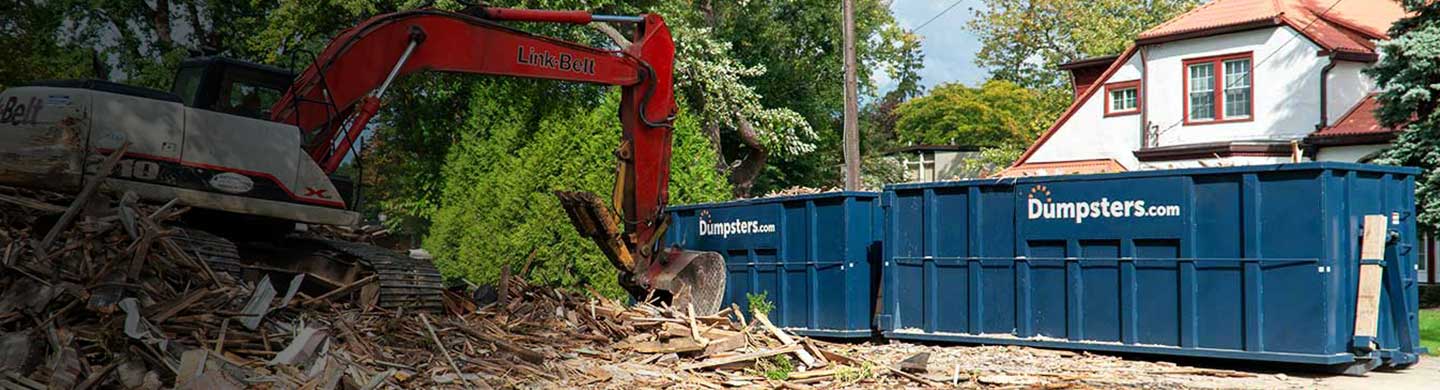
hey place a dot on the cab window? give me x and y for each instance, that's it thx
(246, 98)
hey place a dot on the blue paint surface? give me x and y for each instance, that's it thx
(814, 256)
(1257, 262)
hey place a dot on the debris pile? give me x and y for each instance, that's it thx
(799, 190)
(115, 298)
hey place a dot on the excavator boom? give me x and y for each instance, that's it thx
(334, 98)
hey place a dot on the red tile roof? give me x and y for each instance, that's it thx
(1359, 123)
(1079, 167)
(1336, 25)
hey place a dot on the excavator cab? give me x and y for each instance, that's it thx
(231, 86)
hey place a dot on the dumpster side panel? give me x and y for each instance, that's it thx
(809, 254)
(1256, 262)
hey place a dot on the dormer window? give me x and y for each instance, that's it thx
(1122, 98)
(1218, 89)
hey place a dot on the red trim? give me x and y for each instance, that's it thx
(267, 176)
(1132, 84)
(1075, 106)
(1217, 68)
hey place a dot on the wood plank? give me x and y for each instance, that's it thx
(725, 345)
(785, 338)
(740, 358)
(342, 289)
(106, 168)
(672, 346)
(1367, 298)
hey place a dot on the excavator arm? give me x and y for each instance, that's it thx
(334, 99)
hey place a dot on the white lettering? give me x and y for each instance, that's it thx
(725, 229)
(1102, 208)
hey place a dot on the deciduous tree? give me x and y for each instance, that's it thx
(997, 114)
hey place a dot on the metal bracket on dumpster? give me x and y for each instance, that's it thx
(1379, 262)
(1363, 344)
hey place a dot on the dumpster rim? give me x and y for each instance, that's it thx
(1304, 166)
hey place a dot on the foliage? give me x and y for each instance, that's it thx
(998, 113)
(760, 302)
(1408, 74)
(776, 367)
(496, 204)
(877, 170)
(989, 161)
(798, 44)
(846, 375)
(706, 69)
(1024, 41)
(33, 51)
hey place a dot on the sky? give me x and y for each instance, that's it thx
(948, 46)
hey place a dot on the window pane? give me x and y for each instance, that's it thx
(1123, 99)
(1237, 88)
(1202, 88)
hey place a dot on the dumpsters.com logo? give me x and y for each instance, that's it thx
(1041, 206)
(737, 226)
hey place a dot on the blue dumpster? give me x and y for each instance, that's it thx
(811, 255)
(1255, 262)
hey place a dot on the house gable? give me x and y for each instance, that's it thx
(1281, 48)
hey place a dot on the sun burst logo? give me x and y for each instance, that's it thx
(1039, 192)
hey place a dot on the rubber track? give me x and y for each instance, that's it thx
(221, 254)
(404, 282)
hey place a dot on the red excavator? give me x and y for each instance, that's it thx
(253, 149)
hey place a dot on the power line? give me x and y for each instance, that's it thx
(937, 16)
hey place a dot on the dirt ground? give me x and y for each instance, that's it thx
(1021, 367)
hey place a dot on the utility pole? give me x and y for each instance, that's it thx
(852, 130)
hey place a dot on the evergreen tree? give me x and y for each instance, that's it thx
(1408, 74)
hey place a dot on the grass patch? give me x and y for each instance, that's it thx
(1430, 330)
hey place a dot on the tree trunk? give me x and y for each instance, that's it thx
(202, 38)
(161, 20)
(712, 133)
(742, 179)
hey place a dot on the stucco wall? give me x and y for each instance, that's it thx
(1347, 86)
(1090, 135)
(1286, 88)
(1351, 153)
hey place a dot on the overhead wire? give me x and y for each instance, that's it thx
(1257, 64)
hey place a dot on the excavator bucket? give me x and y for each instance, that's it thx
(686, 277)
(693, 278)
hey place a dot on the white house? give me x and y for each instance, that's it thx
(1232, 82)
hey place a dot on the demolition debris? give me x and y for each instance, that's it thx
(119, 299)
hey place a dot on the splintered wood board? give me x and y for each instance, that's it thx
(1367, 299)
